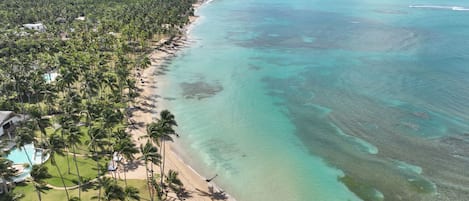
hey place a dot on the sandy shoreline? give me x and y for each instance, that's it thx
(149, 104)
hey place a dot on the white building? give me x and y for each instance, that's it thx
(7, 120)
(50, 76)
(36, 27)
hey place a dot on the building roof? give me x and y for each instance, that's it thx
(33, 25)
(5, 115)
(37, 26)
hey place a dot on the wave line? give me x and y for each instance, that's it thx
(455, 8)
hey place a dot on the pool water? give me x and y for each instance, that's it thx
(18, 156)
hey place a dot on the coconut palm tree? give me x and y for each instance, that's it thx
(38, 174)
(125, 146)
(55, 146)
(149, 154)
(71, 107)
(131, 193)
(11, 196)
(7, 172)
(50, 97)
(166, 124)
(154, 131)
(40, 123)
(67, 73)
(73, 140)
(64, 121)
(112, 191)
(37, 118)
(173, 181)
(98, 139)
(24, 136)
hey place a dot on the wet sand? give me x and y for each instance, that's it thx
(147, 107)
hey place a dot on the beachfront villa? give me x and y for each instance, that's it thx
(7, 120)
(36, 27)
(50, 76)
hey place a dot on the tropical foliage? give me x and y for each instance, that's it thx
(95, 49)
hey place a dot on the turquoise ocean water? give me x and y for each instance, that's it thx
(326, 100)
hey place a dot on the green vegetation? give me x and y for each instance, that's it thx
(87, 169)
(27, 189)
(97, 49)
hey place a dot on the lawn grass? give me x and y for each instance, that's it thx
(27, 189)
(83, 147)
(86, 166)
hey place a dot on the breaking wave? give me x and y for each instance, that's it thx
(455, 8)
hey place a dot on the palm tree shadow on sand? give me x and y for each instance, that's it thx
(181, 195)
(213, 194)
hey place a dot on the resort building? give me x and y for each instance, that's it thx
(36, 27)
(7, 120)
(50, 76)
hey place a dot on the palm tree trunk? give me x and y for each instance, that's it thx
(78, 172)
(162, 165)
(125, 174)
(68, 163)
(4, 185)
(99, 173)
(66, 152)
(27, 156)
(38, 192)
(148, 181)
(43, 136)
(63, 181)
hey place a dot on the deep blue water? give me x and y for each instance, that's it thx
(326, 100)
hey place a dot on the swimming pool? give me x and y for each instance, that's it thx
(19, 157)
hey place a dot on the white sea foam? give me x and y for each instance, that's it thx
(370, 148)
(455, 8)
(208, 1)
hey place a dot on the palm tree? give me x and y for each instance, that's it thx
(149, 154)
(24, 136)
(38, 174)
(112, 191)
(67, 73)
(38, 120)
(50, 96)
(173, 181)
(55, 145)
(144, 62)
(40, 123)
(131, 193)
(11, 196)
(66, 121)
(73, 140)
(98, 140)
(125, 146)
(111, 116)
(166, 123)
(153, 132)
(7, 172)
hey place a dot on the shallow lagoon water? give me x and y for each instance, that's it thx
(326, 100)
